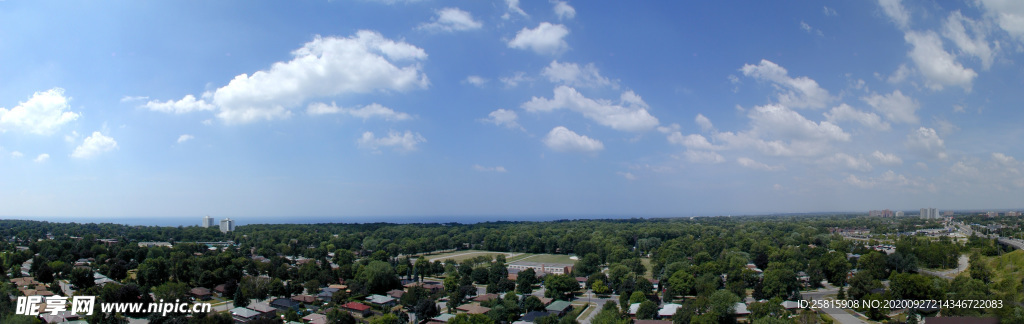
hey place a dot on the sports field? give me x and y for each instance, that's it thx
(510, 257)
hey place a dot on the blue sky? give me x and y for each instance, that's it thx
(370, 110)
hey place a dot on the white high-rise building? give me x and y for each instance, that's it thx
(207, 222)
(929, 213)
(227, 225)
(899, 214)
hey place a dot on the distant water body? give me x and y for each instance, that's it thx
(195, 220)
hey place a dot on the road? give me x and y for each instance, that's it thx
(963, 262)
(840, 315)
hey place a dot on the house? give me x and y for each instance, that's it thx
(220, 290)
(633, 308)
(559, 308)
(485, 297)
(305, 299)
(200, 293)
(790, 305)
(533, 316)
(284, 304)
(381, 301)
(60, 317)
(668, 310)
(443, 318)
(265, 310)
(396, 294)
(315, 319)
(473, 309)
(325, 296)
(244, 315)
(357, 308)
(741, 311)
(582, 281)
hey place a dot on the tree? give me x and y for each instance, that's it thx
(681, 283)
(978, 269)
(240, 299)
(464, 318)
(171, 291)
(589, 264)
(637, 297)
(600, 288)
(779, 283)
(385, 319)
(609, 316)
(532, 303)
(723, 303)
(835, 266)
(560, 286)
(862, 283)
(767, 309)
(337, 316)
(647, 310)
(82, 278)
(378, 277)
(875, 264)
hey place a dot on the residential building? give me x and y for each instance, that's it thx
(552, 268)
(899, 214)
(227, 225)
(929, 213)
(207, 222)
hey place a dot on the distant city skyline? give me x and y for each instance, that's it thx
(425, 111)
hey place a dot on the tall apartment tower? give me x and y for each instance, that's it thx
(929, 213)
(227, 225)
(207, 222)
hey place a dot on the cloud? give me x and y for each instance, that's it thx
(887, 159)
(703, 157)
(41, 158)
(785, 123)
(926, 143)
(476, 80)
(503, 117)
(43, 113)
(801, 92)
(692, 141)
(810, 30)
(373, 110)
(850, 162)
(889, 179)
(499, 169)
(400, 142)
(513, 7)
(563, 10)
(900, 74)
(94, 145)
(627, 175)
(844, 112)
(939, 68)
(895, 11)
(451, 20)
(562, 139)
(134, 98)
(185, 138)
(704, 123)
(186, 105)
(514, 80)
(323, 67)
(1008, 14)
(571, 74)
(829, 11)
(895, 106)
(546, 39)
(953, 28)
(1005, 160)
(751, 164)
(16, 154)
(630, 114)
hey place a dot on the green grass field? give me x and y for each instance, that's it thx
(547, 258)
(1009, 265)
(510, 257)
(459, 256)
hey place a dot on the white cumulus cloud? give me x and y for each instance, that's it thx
(844, 112)
(546, 39)
(373, 110)
(703, 157)
(326, 66)
(185, 138)
(563, 10)
(926, 143)
(186, 105)
(503, 117)
(401, 142)
(513, 7)
(94, 145)
(939, 67)
(43, 113)
(751, 164)
(801, 92)
(562, 139)
(499, 169)
(895, 11)
(856, 163)
(476, 80)
(888, 159)
(955, 28)
(41, 158)
(573, 75)
(16, 154)
(895, 106)
(452, 19)
(630, 114)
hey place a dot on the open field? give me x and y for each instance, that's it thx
(546, 258)
(510, 257)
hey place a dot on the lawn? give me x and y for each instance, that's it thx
(547, 258)
(1009, 265)
(459, 256)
